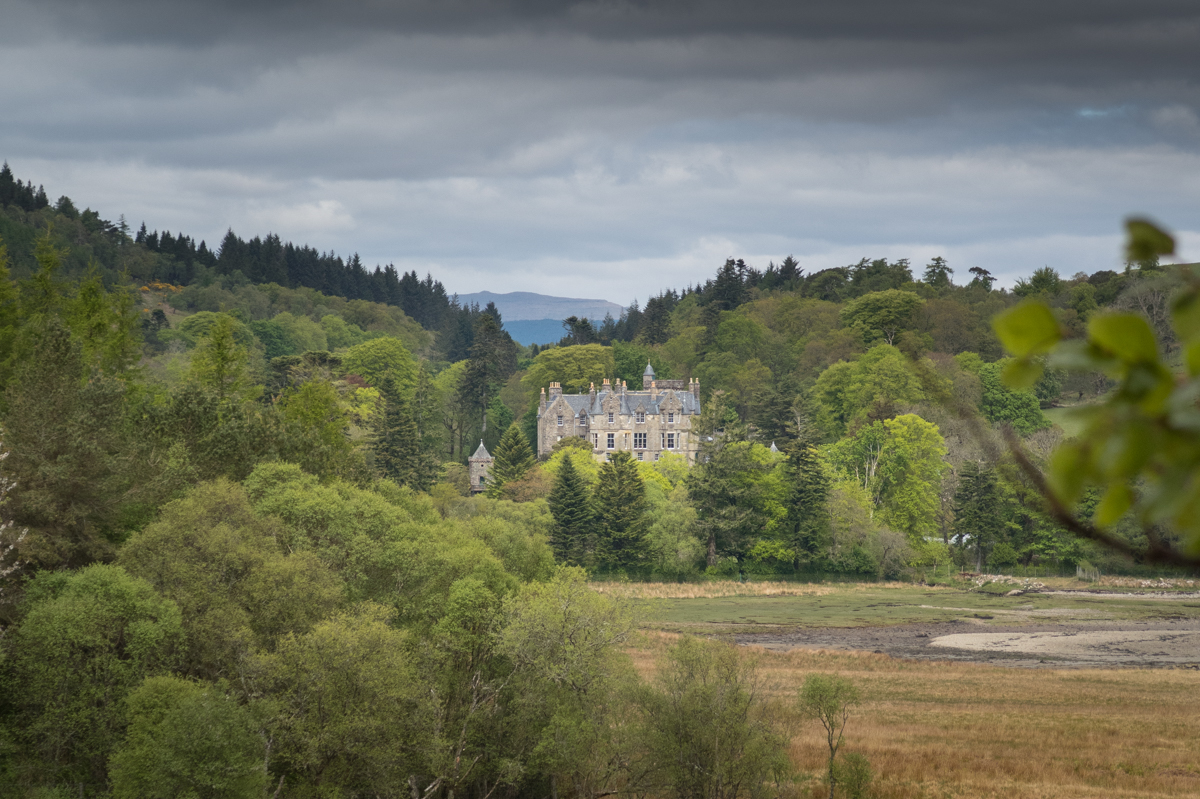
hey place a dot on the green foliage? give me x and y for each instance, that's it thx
(187, 739)
(513, 458)
(711, 727)
(219, 363)
(575, 367)
(223, 565)
(316, 431)
(620, 514)
(72, 452)
(1003, 404)
(808, 512)
(978, 512)
(629, 364)
(570, 504)
(910, 474)
(85, 641)
(381, 359)
(876, 384)
(565, 643)
(882, 314)
(400, 453)
(828, 699)
(348, 707)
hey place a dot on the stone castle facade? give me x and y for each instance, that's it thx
(646, 423)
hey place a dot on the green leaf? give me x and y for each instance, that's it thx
(1147, 240)
(1124, 335)
(1068, 470)
(1022, 373)
(1192, 356)
(1027, 329)
(1117, 500)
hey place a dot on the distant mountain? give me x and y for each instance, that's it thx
(520, 306)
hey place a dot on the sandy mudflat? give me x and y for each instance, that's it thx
(1099, 647)
(1151, 644)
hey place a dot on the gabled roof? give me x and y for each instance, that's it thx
(481, 454)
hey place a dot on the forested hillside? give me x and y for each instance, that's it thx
(238, 503)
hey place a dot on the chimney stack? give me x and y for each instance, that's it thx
(542, 401)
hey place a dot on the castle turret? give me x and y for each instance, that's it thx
(479, 467)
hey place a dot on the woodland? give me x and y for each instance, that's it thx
(240, 557)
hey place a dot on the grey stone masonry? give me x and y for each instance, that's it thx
(479, 467)
(647, 423)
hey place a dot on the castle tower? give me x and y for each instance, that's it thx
(479, 467)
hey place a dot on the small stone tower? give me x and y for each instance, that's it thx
(479, 466)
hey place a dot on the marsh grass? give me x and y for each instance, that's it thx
(721, 589)
(944, 730)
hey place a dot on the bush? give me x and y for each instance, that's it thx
(854, 776)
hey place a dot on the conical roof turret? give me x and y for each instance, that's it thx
(481, 454)
(649, 373)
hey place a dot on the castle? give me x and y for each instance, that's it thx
(646, 423)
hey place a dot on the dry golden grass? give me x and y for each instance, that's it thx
(719, 589)
(966, 730)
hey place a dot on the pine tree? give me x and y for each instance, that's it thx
(807, 512)
(620, 502)
(513, 459)
(978, 521)
(570, 505)
(399, 454)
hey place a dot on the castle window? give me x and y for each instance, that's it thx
(671, 418)
(610, 418)
(670, 441)
(641, 417)
(612, 440)
(482, 479)
(639, 441)
(595, 440)
(641, 456)
(560, 421)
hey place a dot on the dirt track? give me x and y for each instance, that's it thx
(1152, 644)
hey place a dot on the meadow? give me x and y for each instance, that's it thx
(731, 607)
(938, 730)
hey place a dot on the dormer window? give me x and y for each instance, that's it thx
(641, 417)
(610, 418)
(670, 417)
(560, 424)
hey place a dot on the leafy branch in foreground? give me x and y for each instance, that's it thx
(1141, 445)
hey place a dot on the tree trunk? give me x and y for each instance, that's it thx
(712, 548)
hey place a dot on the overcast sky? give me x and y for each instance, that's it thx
(612, 149)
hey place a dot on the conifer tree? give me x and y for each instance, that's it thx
(399, 455)
(513, 458)
(978, 521)
(570, 505)
(620, 502)
(810, 493)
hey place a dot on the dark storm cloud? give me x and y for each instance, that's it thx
(602, 141)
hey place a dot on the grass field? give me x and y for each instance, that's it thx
(937, 730)
(733, 607)
(943, 730)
